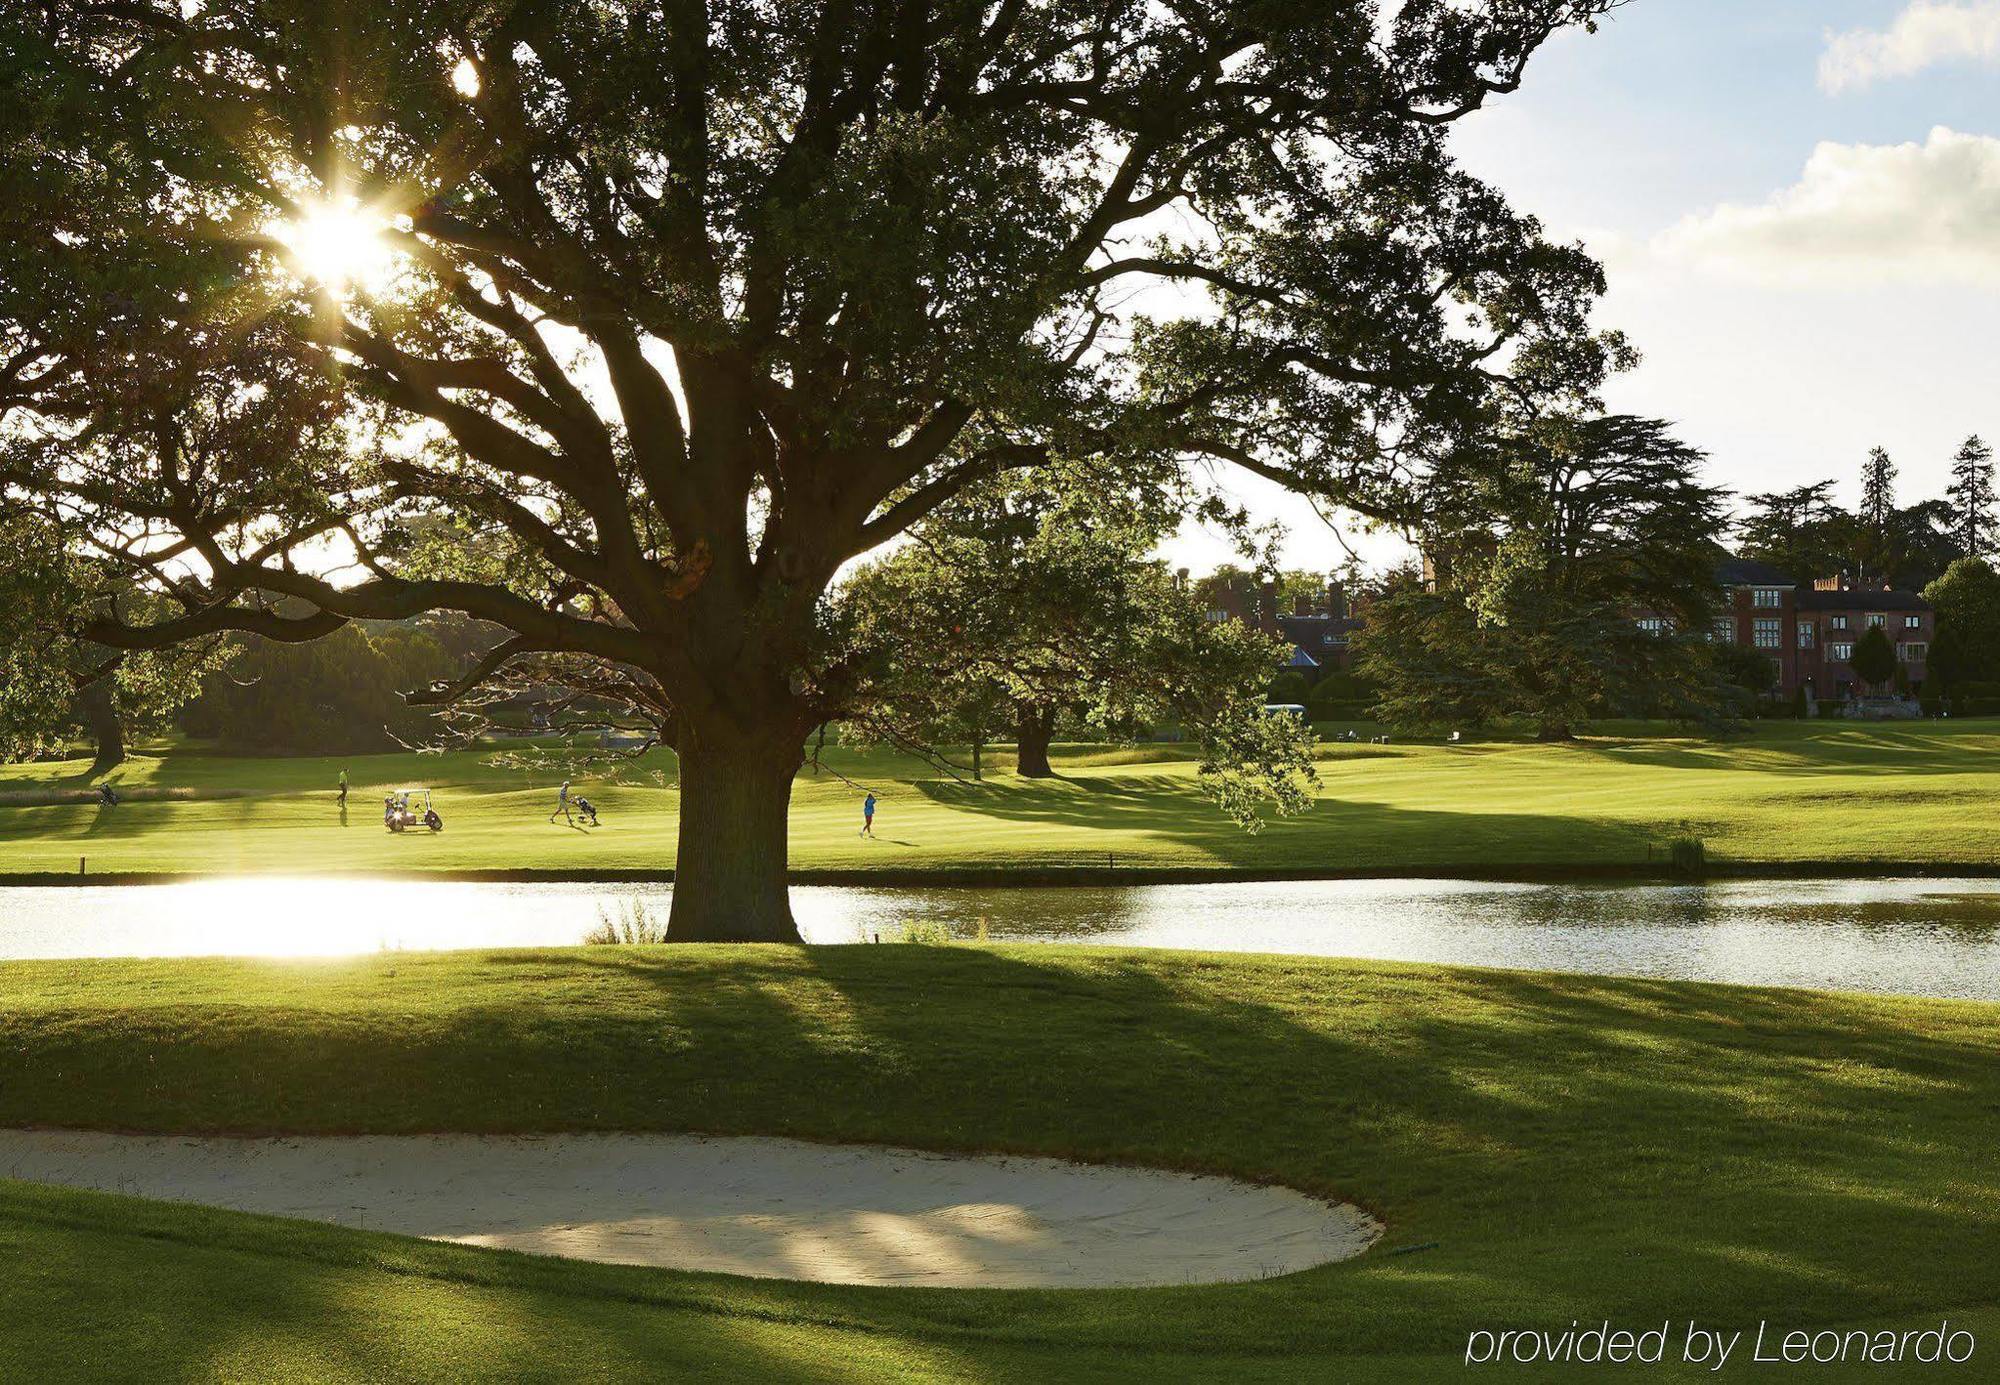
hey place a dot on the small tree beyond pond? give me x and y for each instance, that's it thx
(1036, 597)
(1874, 658)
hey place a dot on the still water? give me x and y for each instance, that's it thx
(1929, 937)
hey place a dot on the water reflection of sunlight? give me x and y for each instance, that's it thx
(278, 917)
(1922, 937)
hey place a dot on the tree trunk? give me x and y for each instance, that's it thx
(98, 712)
(1037, 728)
(729, 876)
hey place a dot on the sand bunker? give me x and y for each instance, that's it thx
(845, 1214)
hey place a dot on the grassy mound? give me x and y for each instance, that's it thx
(1544, 1148)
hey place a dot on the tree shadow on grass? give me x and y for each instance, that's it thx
(1336, 833)
(110, 1288)
(130, 819)
(1575, 1146)
(1862, 750)
(1688, 1136)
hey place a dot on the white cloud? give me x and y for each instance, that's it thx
(1861, 213)
(1926, 33)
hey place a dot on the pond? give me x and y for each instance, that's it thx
(1932, 937)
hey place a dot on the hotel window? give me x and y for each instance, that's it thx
(1767, 596)
(1913, 622)
(1725, 630)
(1875, 620)
(1840, 653)
(1913, 651)
(1839, 622)
(1653, 625)
(1767, 634)
(1805, 637)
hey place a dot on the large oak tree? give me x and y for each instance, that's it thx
(681, 305)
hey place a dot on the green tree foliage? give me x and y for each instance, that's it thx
(1578, 526)
(1966, 647)
(1920, 545)
(1801, 531)
(1035, 595)
(1971, 495)
(1341, 696)
(1211, 586)
(686, 307)
(50, 677)
(1804, 532)
(1289, 586)
(341, 695)
(1874, 657)
(1288, 688)
(1877, 516)
(1745, 677)
(36, 690)
(1878, 490)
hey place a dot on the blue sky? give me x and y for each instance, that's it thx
(1798, 204)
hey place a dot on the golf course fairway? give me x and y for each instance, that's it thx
(1540, 1148)
(1823, 795)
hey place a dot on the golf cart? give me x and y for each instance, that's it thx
(407, 808)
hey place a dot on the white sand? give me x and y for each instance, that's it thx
(845, 1214)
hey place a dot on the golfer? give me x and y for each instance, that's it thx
(562, 805)
(868, 816)
(343, 787)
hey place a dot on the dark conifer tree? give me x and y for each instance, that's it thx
(1971, 493)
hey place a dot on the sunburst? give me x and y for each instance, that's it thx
(340, 244)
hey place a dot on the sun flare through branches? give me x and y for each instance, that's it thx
(339, 244)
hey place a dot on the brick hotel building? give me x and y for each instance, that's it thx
(1810, 631)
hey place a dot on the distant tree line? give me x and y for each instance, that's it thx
(1804, 531)
(340, 695)
(1570, 577)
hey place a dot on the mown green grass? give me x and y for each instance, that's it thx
(1575, 1148)
(1821, 793)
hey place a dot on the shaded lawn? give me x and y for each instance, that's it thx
(1820, 793)
(1575, 1147)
